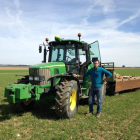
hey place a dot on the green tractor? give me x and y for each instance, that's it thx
(55, 78)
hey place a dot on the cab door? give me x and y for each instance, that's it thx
(95, 51)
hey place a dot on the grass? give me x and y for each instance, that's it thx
(128, 71)
(120, 118)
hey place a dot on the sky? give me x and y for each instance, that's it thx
(24, 24)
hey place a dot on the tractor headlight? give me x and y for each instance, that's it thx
(30, 78)
(36, 78)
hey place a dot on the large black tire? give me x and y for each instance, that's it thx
(23, 106)
(112, 89)
(67, 98)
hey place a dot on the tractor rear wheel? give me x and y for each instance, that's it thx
(67, 98)
(22, 106)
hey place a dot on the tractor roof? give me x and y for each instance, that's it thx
(66, 40)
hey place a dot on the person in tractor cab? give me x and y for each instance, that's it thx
(96, 74)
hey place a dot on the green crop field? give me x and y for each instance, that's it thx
(120, 117)
(128, 71)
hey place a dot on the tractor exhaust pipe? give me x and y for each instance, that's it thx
(44, 55)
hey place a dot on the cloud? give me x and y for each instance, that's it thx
(136, 15)
(23, 29)
(108, 5)
(8, 11)
(17, 3)
(128, 56)
(13, 22)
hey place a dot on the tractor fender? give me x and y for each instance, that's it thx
(65, 75)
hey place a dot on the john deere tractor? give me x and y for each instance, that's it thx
(55, 77)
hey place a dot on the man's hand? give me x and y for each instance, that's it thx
(78, 76)
(104, 82)
(74, 75)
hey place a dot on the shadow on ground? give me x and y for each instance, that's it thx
(6, 112)
(41, 109)
(108, 93)
(45, 110)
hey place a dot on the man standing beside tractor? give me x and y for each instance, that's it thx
(96, 74)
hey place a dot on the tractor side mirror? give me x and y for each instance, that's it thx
(84, 47)
(40, 49)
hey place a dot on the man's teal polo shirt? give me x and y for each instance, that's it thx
(97, 76)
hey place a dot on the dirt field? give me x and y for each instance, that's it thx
(14, 68)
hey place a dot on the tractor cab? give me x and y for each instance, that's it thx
(66, 52)
(77, 55)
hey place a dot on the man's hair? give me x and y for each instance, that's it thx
(96, 60)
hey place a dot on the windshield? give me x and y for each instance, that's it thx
(67, 54)
(63, 53)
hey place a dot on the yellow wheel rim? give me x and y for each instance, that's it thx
(27, 102)
(73, 99)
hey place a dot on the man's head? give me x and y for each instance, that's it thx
(96, 63)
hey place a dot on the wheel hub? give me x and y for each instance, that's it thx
(73, 99)
(27, 102)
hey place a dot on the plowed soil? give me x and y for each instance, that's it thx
(14, 68)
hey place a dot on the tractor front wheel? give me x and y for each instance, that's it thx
(67, 98)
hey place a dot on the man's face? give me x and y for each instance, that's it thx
(96, 64)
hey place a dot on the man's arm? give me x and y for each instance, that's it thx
(106, 78)
(81, 76)
(109, 74)
(78, 76)
(104, 81)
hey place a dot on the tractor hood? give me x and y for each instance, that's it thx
(46, 70)
(47, 65)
